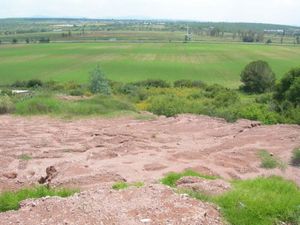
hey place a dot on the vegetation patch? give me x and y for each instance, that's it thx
(6, 105)
(296, 157)
(124, 185)
(269, 161)
(98, 105)
(11, 200)
(261, 201)
(171, 178)
(25, 157)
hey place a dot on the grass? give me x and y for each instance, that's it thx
(25, 157)
(171, 178)
(11, 200)
(50, 105)
(261, 201)
(124, 185)
(269, 161)
(296, 157)
(127, 62)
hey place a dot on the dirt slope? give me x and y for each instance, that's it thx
(89, 153)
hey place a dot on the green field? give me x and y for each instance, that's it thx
(212, 63)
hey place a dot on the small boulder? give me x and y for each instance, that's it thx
(11, 175)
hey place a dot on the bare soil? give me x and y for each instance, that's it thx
(91, 154)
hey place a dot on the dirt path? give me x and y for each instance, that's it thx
(92, 152)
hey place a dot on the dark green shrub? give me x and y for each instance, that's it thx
(264, 98)
(77, 92)
(212, 90)
(34, 83)
(189, 84)
(258, 77)
(152, 83)
(289, 87)
(226, 98)
(128, 89)
(19, 84)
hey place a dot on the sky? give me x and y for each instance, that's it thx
(261, 11)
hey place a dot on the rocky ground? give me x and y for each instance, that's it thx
(91, 154)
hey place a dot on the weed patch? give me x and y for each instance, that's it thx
(171, 178)
(11, 200)
(125, 185)
(261, 201)
(25, 157)
(269, 161)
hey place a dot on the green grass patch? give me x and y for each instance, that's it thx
(269, 161)
(296, 157)
(51, 105)
(129, 62)
(171, 178)
(196, 194)
(261, 201)
(124, 185)
(11, 200)
(25, 157)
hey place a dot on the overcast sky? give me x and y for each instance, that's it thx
(265, 11)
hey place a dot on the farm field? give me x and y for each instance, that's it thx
(126, 62)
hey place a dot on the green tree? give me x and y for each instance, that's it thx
(14, 41)
(289, 88)
(258, 77)
(98, 82)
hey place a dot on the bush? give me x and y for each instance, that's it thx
(71, 85)
(189, 84)
(289, 88)
(212, 90)
(77, 92)
(258, 77)
(226, 98)
(53, 85)
(168, 105)
(152, 83)
(6, 105)
(99, 83)
(19, 84)
(296, 157)
(34, 83)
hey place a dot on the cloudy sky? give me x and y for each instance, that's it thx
(266, 11)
